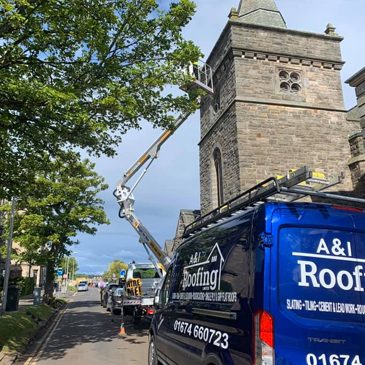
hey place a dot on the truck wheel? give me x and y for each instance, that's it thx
(137, 320)
(127, 311)
(152, 355)
(136, 316)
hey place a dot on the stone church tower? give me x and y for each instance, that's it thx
(278, 104)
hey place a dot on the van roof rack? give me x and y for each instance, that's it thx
(295, 185)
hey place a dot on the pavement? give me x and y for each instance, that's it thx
(29, 299)
(24, 301)
(85, 333)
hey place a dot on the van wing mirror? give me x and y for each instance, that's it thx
(156, 300)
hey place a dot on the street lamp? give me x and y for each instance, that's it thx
(73, 268)
(8, 256)
(68, 269)
(67, 263)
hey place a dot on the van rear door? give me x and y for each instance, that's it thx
(317, 301)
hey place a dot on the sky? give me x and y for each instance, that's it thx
(172, 182)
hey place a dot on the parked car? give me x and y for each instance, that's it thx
(115, 301)
(82, 286)
(277, 283)
(104, 295)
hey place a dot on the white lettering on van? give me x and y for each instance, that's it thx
(337, 248)
(357, 274)
(305, 274)
(323, 247)
(310, 276)
(201, 274)
(201, 278)
(194, 259)
(326, 340)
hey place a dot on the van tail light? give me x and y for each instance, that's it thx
(263, 339)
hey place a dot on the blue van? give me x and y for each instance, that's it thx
(276, 283)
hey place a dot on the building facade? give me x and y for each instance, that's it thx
(357, 138)
(37, 272)
(186, 217)
(278, 105)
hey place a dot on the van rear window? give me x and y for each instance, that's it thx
(145, 273)
(321, 273)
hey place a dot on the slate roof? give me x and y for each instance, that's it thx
(168, 249)
(261, 12)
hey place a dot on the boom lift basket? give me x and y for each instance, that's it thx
(202, 77)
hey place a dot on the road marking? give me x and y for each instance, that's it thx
(32, 360)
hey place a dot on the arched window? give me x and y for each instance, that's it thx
(217, 156)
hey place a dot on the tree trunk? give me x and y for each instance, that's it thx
(49, 285)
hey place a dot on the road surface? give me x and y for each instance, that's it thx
(88, 334)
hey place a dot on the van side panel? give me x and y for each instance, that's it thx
(212, 295)
(318, 284)
(284, 283)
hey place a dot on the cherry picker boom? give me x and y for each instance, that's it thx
(201, 77)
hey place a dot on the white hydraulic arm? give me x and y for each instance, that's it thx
(202, 78)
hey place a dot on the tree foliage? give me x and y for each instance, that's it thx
(62, 203)
(81, 73)
(114, 269)
(69, 266)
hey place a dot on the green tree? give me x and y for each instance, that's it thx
(81, 73)
(70, 266)
(114, 269)
(62, 203)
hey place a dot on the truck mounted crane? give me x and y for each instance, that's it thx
(201, 77)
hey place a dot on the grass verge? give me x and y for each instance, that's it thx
(72, 289)
(17, 328)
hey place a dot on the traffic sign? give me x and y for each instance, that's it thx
(122, 273)
(59, 271)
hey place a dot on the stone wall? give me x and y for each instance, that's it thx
(186, 217)
(218, 126)
(260, 79)
(357, 139)
(223, 135)
(286, 42)
(281, 138)
(281, 107)
(214, 106)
